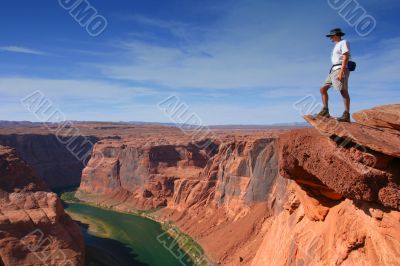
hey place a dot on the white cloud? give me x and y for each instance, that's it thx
(183, 31)
(155, 22)
(77, 99)
(59, 88)
(23, 50)
(381, 64)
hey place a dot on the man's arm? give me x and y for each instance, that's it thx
(346, 57)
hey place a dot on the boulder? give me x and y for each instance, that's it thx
(385, 116)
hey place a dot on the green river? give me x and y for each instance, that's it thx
(114, 238)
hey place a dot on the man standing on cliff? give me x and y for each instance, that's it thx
(338, 77)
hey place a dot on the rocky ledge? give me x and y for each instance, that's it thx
(359, 161)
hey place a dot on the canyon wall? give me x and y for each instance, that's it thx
(34, 229)
(55, 158)
(130, 175)
(210, 191)
(323, 196)
(227, 208)
(59, 152)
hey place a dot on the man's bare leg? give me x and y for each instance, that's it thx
(346, 100)
(324, 94)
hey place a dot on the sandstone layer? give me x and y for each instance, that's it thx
(34, 229)
(323, 164)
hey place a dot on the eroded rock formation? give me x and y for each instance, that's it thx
(320, 163)
(34, 229)
(343, 208)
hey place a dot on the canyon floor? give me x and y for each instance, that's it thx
(328, 194)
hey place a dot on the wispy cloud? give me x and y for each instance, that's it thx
(23, 50)
(180, 30)
(59, 89)
(156, 22)
(78, 99)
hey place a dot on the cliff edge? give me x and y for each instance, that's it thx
(343, 208)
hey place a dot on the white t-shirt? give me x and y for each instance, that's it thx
(337, 54)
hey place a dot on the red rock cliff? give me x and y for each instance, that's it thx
(34, 229)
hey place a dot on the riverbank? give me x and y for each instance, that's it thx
(95, 227)
(172, 239)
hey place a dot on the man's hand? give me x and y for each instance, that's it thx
(341, 75)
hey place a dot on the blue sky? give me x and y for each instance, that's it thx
(231, 62)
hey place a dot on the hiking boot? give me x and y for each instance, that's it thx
(344, 118)
(324, 112)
